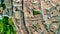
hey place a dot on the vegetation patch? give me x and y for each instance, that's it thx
(7, 26)
(35, 12)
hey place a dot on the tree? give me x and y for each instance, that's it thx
(2, 4)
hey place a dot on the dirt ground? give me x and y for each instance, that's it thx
(36, 20)
(30, 18)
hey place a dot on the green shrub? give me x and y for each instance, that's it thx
(35, 12)
(7, 26)
(4, 6)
